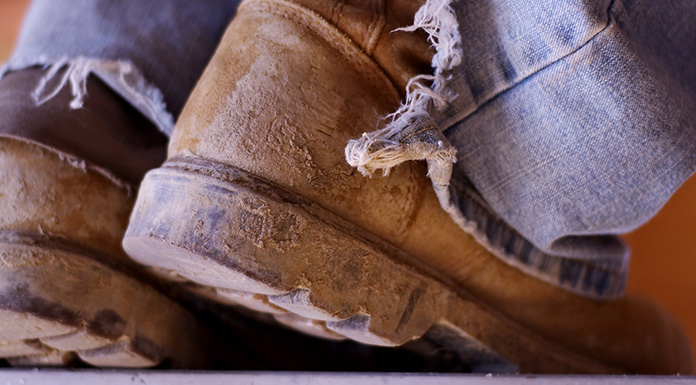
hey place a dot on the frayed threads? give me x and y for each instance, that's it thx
(439, 21)
(76, 74)
(412, 134)
(414, 137)
(121, 76)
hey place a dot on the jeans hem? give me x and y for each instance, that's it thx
(597, 278)
(122, 76)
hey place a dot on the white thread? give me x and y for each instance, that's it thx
(382, 149)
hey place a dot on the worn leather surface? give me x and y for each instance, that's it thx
(372, 25)
(42, 193)
(290, 126)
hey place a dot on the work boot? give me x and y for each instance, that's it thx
(257, 202)
(73, 297)
(68, 293)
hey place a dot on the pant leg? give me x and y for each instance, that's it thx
(151, 52)
(573, 121)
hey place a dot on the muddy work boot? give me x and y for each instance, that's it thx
(257, 202)
(68, 293)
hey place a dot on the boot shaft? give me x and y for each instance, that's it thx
(332, 91)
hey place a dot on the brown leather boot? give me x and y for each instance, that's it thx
(256, 200)
(68, 292)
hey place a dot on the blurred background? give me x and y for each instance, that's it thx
(663, 264)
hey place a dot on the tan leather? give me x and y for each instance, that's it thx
(68, 289)
(292, 82)
(252, 123)
(43, 194)
(372, 25)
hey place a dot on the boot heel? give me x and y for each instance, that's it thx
(222, 227)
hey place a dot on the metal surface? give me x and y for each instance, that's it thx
(108, 377)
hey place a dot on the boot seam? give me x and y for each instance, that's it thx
(376, 27)
(337, 12)
(338, 40)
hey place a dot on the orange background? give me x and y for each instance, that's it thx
(664, 250)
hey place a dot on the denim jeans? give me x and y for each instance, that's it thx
(575, 120)
(151, 52)
(572, 120)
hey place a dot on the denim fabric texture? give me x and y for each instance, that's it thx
(575, 120)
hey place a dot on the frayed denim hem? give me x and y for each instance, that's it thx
(120, 75)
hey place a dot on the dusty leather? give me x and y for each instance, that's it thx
(106, 131)
(372, 24)
(47, 195)
(292, 82)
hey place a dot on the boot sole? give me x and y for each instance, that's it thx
(60, 305)
(260, 246)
